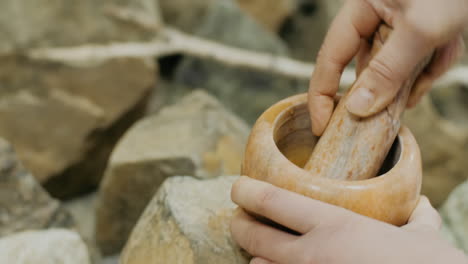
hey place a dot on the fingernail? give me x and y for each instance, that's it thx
(361, 102)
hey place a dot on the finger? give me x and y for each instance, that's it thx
(444, 58)
(261, 240)
(363, 57)
(340, 46)
(260, 261)
(292, 210)
(424, 217)
(386, 72)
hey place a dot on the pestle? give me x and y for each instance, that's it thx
(354, 148)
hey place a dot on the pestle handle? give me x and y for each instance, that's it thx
(354, 148)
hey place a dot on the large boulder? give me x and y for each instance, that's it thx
(64, 120)
(24, 203)
(196, 136)
(248, 93)
(442, 136)
(54, 246)
(186, 222)
(455, 217)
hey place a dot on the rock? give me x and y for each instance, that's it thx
(443, 147)
(83, 210)
(56, 115)
(272, 16)
(186, 222)
(455, 216)
(184, 14)
(24, 203)
(45, 23)
(247, 93)
(306, 28)
(54, 246)
(111, 260)
(196, 136)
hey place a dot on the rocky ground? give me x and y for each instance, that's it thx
(133, 159)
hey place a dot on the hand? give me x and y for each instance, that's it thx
(329, 234)
(420, 26)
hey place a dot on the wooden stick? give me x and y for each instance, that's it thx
(353, 148)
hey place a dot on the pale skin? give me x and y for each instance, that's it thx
(326, 233)
(330, 234)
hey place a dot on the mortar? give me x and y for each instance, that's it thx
(281, 143)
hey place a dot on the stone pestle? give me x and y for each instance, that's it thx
(354, 148)
(340, 168)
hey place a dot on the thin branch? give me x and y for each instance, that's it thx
(171, 41)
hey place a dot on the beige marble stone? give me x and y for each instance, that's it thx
(187, 222)
(196, 136)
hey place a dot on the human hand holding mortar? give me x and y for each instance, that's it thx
(370, 166)
(341, 166)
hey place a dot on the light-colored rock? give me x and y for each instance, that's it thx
(54, 246)
(247, 93)
(24, 204)
(186, 222)
(57, 116)
(443, 144)
(196, 136)
(271, 15)
(44, 23)
(83, 211)
(455, 217)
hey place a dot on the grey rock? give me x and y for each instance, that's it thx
(24, 204)
(442, 141)
(271, 16)
(455, 217)
(56, 115)
(247, 93)
(186, 222)
(54, 246)
(197, 136)
(44, 23)
(184, 14)
(83, 210)
(306, 28)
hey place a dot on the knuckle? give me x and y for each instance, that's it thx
(252, 240)
(266, 197)
(384, 74)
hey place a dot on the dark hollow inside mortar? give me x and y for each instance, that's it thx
(294, 139)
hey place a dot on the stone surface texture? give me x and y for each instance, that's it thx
(247, 93)
(186, 222)
(442, 142)
(271, 15)
(306, 28)
(56, 115)
(197, 136)
(455, 217)
(24, 204)
(54, 246)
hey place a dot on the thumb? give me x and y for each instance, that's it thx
(379, 83)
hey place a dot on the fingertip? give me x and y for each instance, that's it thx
(361, 102)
